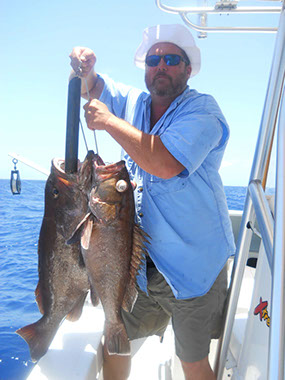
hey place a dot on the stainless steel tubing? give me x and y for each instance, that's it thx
(213, 10)
(266, 132)
(240, 260)
(272, 101)
(184, 11)
(264, 217)
(227, 29)
(277, 321)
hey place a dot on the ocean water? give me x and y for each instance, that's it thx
(20, 222)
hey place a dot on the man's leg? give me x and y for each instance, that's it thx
(116, 367)
(195, 322)
(200, 370)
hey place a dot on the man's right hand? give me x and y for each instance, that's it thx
(82, 61)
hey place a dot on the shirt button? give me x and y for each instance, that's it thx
(140, 214)
(140, 189)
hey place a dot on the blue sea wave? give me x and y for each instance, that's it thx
(235, 197)
(20, 222)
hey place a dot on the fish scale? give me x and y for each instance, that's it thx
(63, 281)
(113, 248)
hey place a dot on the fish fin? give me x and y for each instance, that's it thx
(140, 238)
(139, 231)
(94, 297)
(116, 339)
(76, 312)
(130, 297)
(39, 301)
(38, 338)
(75, 236)
(86, 233)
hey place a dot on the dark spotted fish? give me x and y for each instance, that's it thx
(63, 281)
(112, 248)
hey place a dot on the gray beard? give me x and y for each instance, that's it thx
(171, 90)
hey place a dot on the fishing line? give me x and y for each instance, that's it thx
(88, 97)
(83, 135)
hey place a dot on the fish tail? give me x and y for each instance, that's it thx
(116, 339)
(37, 337)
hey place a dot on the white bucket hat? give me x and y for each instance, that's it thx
(177, 34)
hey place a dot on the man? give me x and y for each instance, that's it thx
(173, 140)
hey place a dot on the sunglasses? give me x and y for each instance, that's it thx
(169, 59)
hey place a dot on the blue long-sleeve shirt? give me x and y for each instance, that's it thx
(187, 215)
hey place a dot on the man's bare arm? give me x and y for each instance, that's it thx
(82, 62)
(146, 150)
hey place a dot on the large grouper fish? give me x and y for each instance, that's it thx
(63, 281)
(113, 247)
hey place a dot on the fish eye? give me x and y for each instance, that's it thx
(55, 193)
(121, 186)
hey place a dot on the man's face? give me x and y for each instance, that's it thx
(163, 80)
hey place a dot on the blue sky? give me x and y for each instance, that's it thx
(37, 37)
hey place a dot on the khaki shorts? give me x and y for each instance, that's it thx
(195, 321)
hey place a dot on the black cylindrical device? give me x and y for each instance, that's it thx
(72, 125)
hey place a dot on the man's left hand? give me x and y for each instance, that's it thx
(97, 115)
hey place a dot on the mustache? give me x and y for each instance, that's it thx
(159, 75)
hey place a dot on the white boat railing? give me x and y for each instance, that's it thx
(264, 217)
(256, 205)
(221, 7)
(258, 172)
(277, 332)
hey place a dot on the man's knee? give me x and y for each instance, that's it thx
(199, 370)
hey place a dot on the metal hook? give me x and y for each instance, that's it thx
(15, 161)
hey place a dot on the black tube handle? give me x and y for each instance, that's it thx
(72, 125)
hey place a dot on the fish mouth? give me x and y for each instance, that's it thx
(59, 163)
(97, 160)
(58, 168)
(103, 172)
